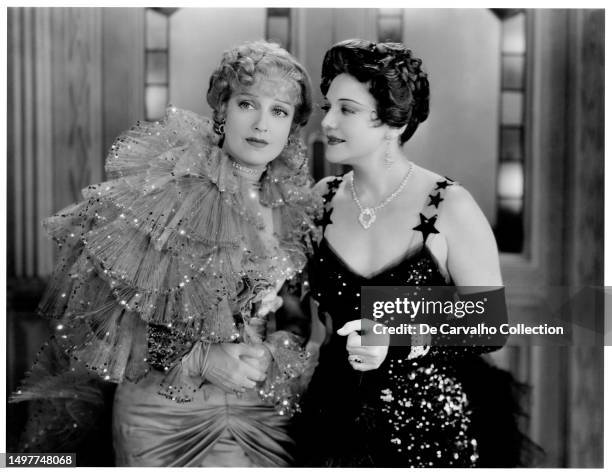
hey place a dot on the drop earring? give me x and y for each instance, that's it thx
(388, 159)
(219, 128)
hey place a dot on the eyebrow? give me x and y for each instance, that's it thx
(275, 98)
(349, 100)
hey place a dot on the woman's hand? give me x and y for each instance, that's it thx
(269, 304)
(360, 357)
(261, 362)
(235, 367)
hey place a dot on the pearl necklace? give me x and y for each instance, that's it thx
(248, 170)
(367, 215)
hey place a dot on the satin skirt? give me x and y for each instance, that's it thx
(216, 429)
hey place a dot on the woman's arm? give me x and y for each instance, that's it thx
(473, 265)
(473, 258)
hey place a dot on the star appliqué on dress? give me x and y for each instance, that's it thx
(332, 187)
(325, 220)
(442, 184)
(435, 200)
(327, 197)
(334, 183)
(427, 226)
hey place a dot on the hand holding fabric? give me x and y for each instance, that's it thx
(269, 304)
(229, 368)
(261, 362)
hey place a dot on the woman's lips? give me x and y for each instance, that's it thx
(256, 142)
(331, 140)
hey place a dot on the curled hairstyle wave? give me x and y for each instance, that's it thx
(243, 65)
(394, 76)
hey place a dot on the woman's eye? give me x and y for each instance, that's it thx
(347, 110)
(245, 104)
(325, 107)
(280, 112)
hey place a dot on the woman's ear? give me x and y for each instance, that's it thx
(375, 119)
(219, 114)
(398, 132)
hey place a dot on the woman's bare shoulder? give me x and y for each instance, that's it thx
(457, 201)
(426, 179)
(461, 208)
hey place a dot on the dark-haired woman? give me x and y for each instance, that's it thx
(391, 222)
(169, 272)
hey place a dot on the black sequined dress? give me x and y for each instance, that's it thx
(448, 408)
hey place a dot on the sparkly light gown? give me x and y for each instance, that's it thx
(156, 263)
(447, 408)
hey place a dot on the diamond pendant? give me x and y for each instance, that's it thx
(367, 218)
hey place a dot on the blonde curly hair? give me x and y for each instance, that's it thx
(243, 65)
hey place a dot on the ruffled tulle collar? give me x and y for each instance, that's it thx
(170, 235)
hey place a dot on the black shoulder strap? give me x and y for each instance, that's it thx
(429, 214)
(332, 189)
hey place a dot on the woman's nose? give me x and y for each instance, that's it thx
(261, 122)
(328, 120)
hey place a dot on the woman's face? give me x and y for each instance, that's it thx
(258, 121)
(350, 125)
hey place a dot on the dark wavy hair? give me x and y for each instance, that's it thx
(243, 65)
(394, 75)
